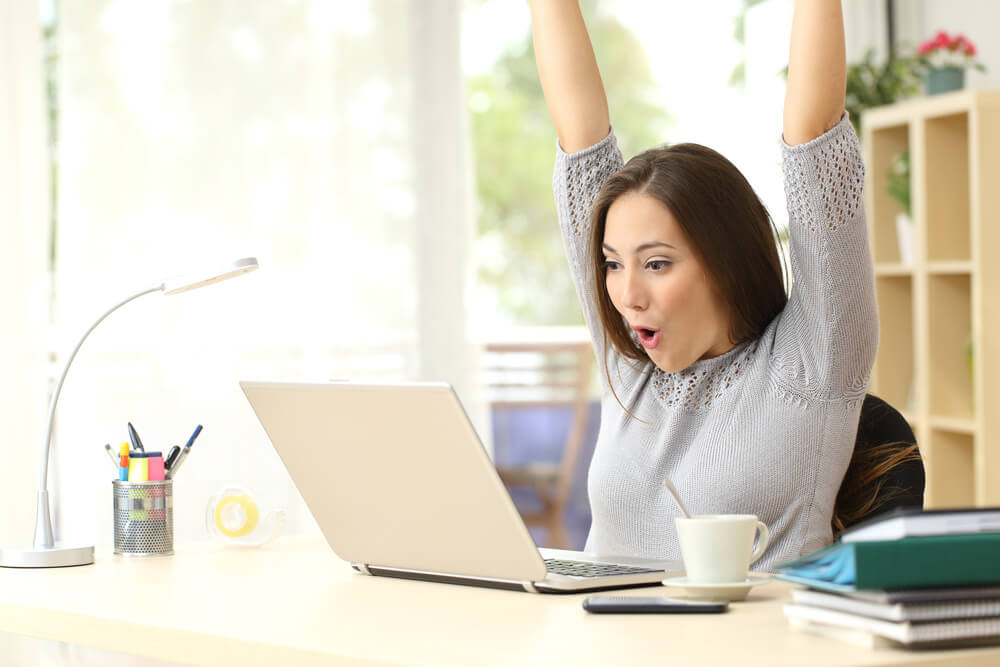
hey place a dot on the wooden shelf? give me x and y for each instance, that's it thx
(957, 267)
(939, 313)
(893, 269)
(953, 424)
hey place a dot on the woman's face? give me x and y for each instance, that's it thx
(660, 287)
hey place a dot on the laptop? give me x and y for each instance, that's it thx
(401, 486)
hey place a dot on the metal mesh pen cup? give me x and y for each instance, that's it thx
(144, 518)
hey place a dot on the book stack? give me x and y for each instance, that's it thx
(921, 579)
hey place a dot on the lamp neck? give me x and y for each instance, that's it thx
(43, 533)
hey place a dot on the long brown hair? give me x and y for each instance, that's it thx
(729, 229)
(886, 468)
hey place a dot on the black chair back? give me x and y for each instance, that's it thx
(886, 469)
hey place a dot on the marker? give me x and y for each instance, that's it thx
(134, 437)
(184, 453)
(172, 456)
(111, 454)
(123, 463)
(154, 466)
(138, 467)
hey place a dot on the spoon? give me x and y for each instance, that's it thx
(677, 497)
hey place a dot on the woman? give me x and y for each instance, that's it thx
(747, 400)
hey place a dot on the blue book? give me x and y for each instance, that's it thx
(911, 562)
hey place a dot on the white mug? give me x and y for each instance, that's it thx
(719, 548)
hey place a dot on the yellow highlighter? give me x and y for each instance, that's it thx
(138, 467)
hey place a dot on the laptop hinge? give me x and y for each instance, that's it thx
(362, 568)
(528, 586)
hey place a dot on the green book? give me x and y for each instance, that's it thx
(911, 562)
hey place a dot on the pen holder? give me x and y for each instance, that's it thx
(144, 518)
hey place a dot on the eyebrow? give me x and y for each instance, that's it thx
(644, 246)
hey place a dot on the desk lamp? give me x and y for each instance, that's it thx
(46, 553)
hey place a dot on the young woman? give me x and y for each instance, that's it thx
(747, 400)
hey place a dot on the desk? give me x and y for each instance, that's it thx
(295, 602)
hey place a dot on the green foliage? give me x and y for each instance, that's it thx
(899, 180)
(514, 152)
(870, 85)
(739, 74)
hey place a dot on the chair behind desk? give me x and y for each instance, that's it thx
(538, 376)
(886, 470)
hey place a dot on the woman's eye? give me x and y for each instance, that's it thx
(657, 264)
(611, 265)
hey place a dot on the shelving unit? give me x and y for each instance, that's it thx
(939, 354)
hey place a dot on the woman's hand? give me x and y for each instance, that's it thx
(568, 70)
(817, 71)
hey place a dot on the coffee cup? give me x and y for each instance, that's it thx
(719, 548)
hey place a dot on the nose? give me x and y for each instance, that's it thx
(634, 295)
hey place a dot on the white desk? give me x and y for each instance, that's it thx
(295, 602)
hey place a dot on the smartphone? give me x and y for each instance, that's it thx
(611, 604)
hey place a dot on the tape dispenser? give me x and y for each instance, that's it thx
(234, 518)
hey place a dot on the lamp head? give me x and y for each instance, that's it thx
(187, 283)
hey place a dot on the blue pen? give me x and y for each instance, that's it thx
(183, 454)
(194, 435)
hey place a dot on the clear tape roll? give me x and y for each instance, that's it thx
(240, 522)
(234, 517)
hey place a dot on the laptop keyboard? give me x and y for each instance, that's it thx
(576, 568)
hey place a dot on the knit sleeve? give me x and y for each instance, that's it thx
(576, 181)
(827, 335)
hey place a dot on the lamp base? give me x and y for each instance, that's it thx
(57, 556)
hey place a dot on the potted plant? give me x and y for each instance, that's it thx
(944, 59)
(870, 85)
(899, 189)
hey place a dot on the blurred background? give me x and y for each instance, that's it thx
(389, 164)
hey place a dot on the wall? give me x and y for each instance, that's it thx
(979, 20)
(917, 20)
(23, 278)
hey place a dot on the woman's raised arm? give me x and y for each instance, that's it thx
(817, 71)
(568, 70)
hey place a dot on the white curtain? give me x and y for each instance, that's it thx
(326, 139)
(24, 215)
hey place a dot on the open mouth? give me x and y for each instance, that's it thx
(648, 338)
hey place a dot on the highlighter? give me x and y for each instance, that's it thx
(155, 466)
(138, 467)
(123, 463)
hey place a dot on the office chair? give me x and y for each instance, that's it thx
(886, 470)
(535, 376)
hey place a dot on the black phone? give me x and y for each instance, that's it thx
(620, 604)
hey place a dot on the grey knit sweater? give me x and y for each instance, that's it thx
(768, 427)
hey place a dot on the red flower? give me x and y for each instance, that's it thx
(942, 41)
(966, 45)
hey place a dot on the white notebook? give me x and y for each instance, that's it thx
(899, 611)
(911, 522)
(973, 630)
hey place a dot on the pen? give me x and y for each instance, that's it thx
(184, 453)
(111, 454)
(194, 435)
(134, 437)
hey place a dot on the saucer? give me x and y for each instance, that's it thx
(732, 591)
